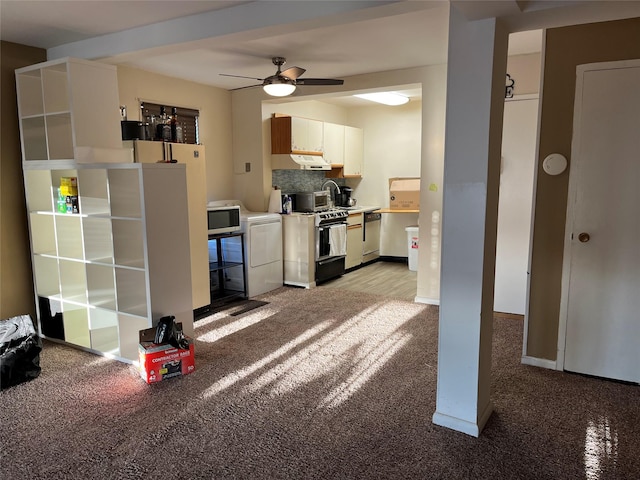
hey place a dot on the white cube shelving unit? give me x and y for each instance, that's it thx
(123, 261)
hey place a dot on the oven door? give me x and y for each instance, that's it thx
(330, 251)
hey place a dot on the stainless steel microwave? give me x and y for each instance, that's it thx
(312, 201)
(223, 219)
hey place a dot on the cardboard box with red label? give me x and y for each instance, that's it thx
(162, 361)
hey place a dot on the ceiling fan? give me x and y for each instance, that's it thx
(284, 82)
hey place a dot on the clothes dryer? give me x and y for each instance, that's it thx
(262, 247)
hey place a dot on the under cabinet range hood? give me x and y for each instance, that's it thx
(295, 161)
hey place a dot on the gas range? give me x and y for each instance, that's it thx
(334, 215)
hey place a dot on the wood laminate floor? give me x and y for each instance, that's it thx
(387, 279)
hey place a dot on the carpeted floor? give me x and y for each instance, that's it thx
(316, 384)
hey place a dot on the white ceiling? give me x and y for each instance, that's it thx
(198, 40)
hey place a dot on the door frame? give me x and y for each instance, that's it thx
(571, 196)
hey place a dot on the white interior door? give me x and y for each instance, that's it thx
(603, 302)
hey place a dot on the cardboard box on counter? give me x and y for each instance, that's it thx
(404, 193)
(159, 362)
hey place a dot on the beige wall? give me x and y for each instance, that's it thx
(525, 71)
(565, 48)
(214, 104)
(16, 284)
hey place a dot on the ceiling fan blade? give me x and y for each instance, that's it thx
(248, 86)
(292, 72)
(319, 81)
(240, 76)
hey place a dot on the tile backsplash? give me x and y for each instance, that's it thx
(291, 181)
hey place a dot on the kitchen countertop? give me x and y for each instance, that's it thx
(360, 209)
(356, 209)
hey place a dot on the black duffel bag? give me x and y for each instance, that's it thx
(20, 348)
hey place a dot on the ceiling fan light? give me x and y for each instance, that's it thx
(279, 88)
(386, 98)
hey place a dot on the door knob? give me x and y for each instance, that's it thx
(584, 237)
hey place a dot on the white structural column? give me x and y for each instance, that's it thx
(475, 104)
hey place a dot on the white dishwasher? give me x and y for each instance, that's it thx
(371, 248)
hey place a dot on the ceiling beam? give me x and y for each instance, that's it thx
(277, 16)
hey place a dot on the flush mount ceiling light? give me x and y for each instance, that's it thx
(279, 86)
(386, 98)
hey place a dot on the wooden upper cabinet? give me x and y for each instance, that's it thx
(296, 135)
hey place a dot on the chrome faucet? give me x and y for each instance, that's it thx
(332, 202)
(330, 181)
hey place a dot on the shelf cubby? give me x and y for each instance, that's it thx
(47, 275)
(93, 192)
(73, 281)
(98, 239)
(75, 319)
(128, 243)
(38, 188)
(103, 330)
(58, 173)
(131, 291)
(30, 93)
(124, 193)
(59, 136)
(34, 139)
(43, 234)
(69, 235)
(56, 88)
(129, 327)
(101, 288)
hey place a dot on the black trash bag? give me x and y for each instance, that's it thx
(20, 348)
(167, 331)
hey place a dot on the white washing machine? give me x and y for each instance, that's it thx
(262, 248)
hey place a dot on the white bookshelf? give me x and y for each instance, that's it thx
(122, 261)
(109, 263)
(65, 104)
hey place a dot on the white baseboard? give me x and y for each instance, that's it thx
(538, 362)
(461, 425)
(428, 301)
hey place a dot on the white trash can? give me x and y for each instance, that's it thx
(412, 247)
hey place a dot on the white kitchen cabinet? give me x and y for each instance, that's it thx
(193, 156)
(117, 266)
(353, 152)
(354, 240)
(298, 237)
(334, 144)
(350, 162)
(296, 135)
(67, 104)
